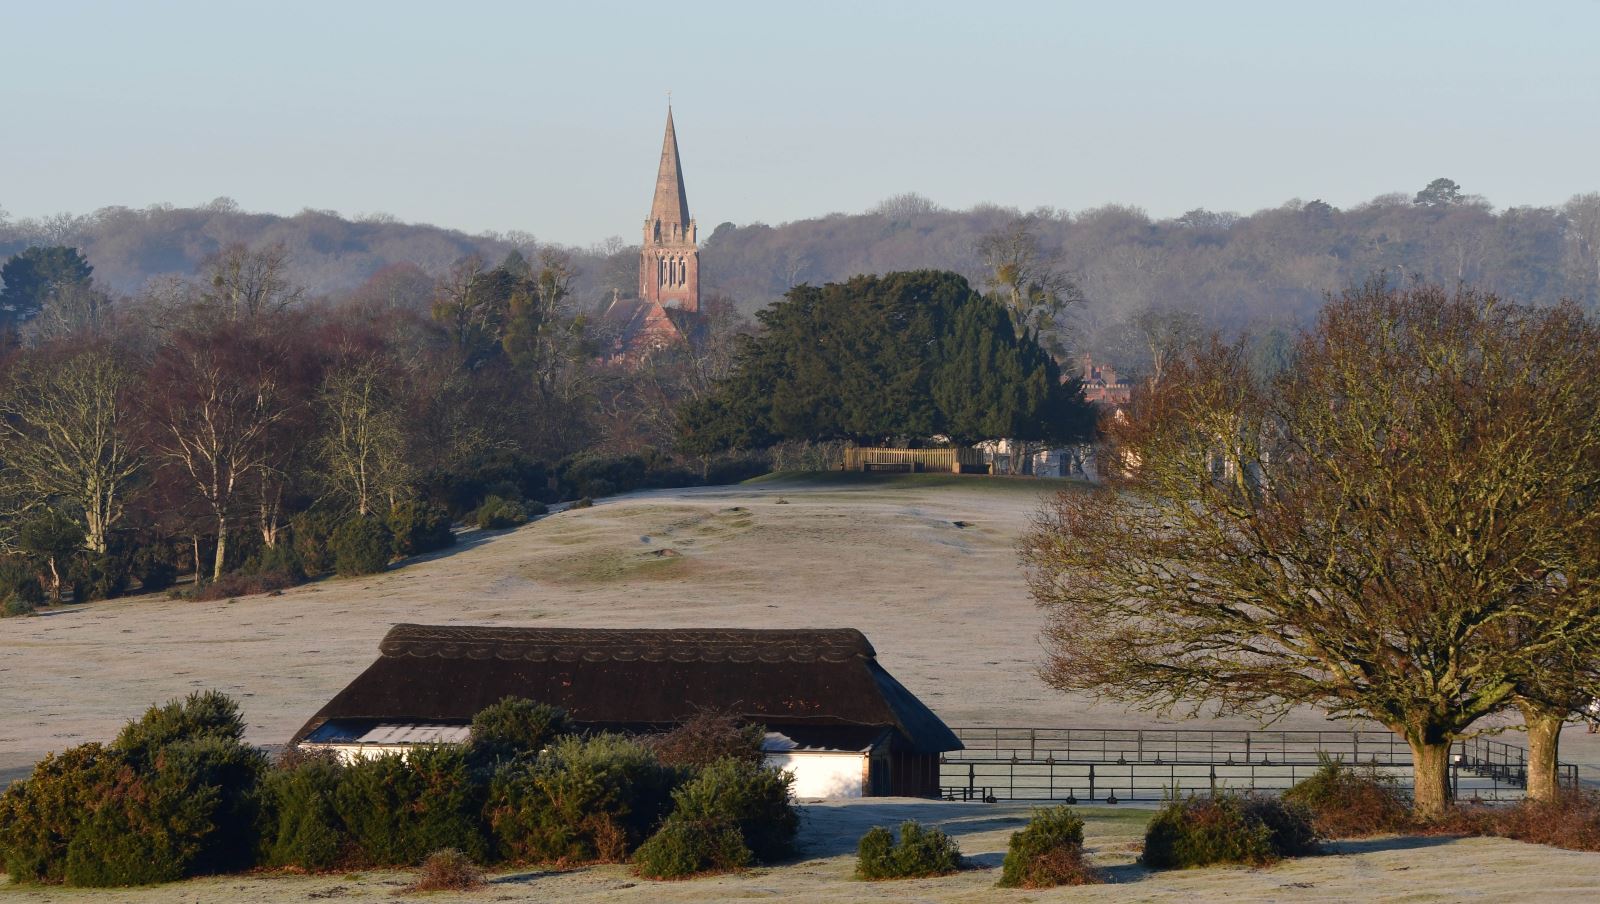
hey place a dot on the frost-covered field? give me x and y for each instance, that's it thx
(943, 603)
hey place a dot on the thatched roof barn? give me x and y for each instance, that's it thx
(834, 716)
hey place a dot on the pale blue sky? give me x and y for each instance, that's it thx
(547, 117)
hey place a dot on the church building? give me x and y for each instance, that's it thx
(667, 309)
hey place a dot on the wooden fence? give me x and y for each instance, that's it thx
(865, 458)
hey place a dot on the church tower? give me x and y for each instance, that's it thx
(669, 264)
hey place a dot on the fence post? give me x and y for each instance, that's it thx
(1091, 781)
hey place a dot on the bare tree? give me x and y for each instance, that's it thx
(246, 282)
(1030, 280)
(65, 436)
(1392, 529)
(363, 446)
(217, 398)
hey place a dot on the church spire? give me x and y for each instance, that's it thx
(671, 205)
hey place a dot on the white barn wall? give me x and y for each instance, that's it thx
(830, 774)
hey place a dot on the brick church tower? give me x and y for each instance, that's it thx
(669, 264)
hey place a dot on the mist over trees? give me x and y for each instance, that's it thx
(1266, 271)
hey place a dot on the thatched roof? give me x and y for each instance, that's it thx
(638, 679)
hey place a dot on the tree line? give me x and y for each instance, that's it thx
(229, 424)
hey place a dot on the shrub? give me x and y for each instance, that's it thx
(1226, 828)
(1346, 802)
(191, 812)
(690, 847)
(419, 526)
(242, 584)
(299, 825)
(515, 726)
(447, 870)
(535, 508)
(202, 714)
(1048, 852)
(919, 852)
(706, 737)
(583, 503)
(312, 534)
(397, 809)
(754, 798)
(1289, 822)
(151, 565)
(581, 800)
(40, 814)
(20, 590)
(1571, 821)
(361, 545)
(498, 514)
(97, 576)
(278, 559)
(13, 606)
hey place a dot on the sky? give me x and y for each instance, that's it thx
(547, 118)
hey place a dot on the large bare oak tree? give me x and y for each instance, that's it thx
(1398, 527)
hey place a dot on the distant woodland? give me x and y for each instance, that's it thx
(1262, 272)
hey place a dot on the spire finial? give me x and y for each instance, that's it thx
(669, 98)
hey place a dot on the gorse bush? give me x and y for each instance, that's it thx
(20, 590)
(312, 533)
(515, 726)
(1226, 828)
(754, 798)
(1048, 852)
(361, 545)
(299, 825)
(173, 796)
(40, 815)
(419, 526)
(498, 514)
(1350, 802)
(202, 714)
(398, 808)
(707, 737)
(691, 847)
(920, 851)
(581, 800)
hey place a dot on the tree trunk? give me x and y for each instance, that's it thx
(55, 582)
(1430, 793)
(222, 549)
(1544, 739)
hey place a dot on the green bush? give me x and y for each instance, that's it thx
(312, 534)
(97, 576)
(581, 800)
(202, 714)
(274, 561)
(361, 545)
(419, 526)
(920, 851)
(498, 514)
(535, 508)
(584, 503)
(1047, 852)
(191, 811)
(20, 590)
(151, 565)
(754, 798)
(515, 726)
(397, 809)
(690, 847)
(39, 815)
(299, 825)
(1346, 802)
(1226, 828)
